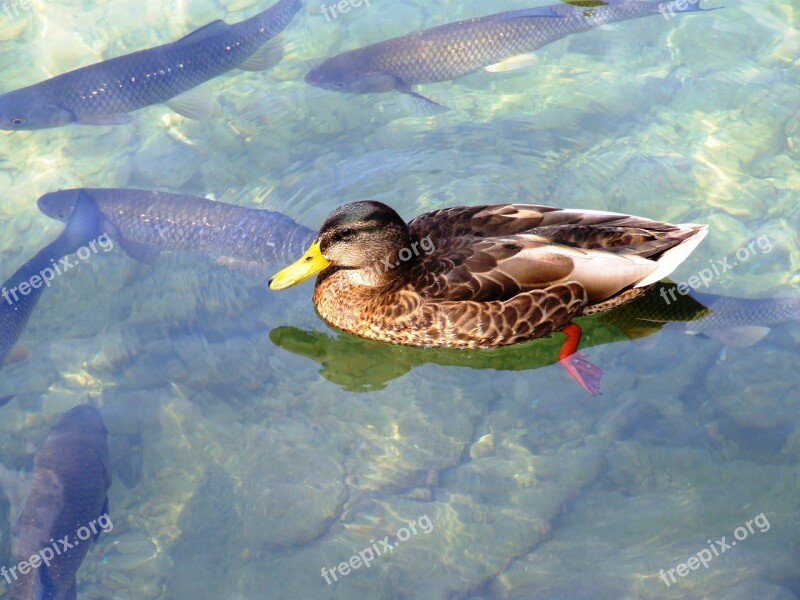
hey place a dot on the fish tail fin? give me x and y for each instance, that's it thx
(690, 6)
(83, 226)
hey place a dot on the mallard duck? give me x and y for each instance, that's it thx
(483, 276)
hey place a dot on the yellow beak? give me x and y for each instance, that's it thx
(311, 263)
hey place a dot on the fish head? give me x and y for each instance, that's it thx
(27, 109)
(84, 423)
(84, 419)
(59, 205)
(348, 74)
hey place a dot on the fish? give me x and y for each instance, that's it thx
(65, 510)
(498, 42)
(144, 223)
(36, 274)
(361, 365)
(727, 319)
(103, 93)
(741, 321)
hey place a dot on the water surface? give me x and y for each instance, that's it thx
(242, 468)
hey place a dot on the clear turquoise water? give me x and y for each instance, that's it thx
(242, 469)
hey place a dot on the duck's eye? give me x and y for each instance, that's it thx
(339, 84)
(17, 121)
(344, 234)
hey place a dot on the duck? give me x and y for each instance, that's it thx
(484, 276)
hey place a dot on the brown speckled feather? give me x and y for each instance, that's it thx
(405, 318)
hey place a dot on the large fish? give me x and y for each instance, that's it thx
(499, 42)
(66, 509)
(727, 319)
(143, 223)
(103, 92)
(20, 292)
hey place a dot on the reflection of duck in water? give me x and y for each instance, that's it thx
(363, 365)
(494, 276)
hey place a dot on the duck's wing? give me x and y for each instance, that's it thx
(501, 268)
(591, 229)
(479, 221)
(480, 253)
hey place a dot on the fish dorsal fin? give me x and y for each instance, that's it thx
(266, 57)
(206, 31)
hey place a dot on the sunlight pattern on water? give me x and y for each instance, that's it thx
(252, 446)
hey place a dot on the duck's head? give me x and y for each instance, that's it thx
(362, 239)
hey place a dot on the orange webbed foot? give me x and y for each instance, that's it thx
(576, 365)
